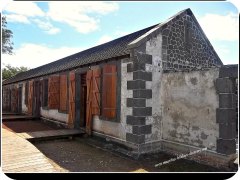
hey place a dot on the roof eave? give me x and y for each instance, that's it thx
(145, 37)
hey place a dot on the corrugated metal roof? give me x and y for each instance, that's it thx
(107, 50)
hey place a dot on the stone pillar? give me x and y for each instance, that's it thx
(226, 113)
(138, 102)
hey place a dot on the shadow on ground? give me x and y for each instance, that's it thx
(28, 126)
(78, 156)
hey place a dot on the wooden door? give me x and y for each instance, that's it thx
(53, 92)
(30, 97)
(89, 102)
(10, 100)
(20, 99)
(36, 99)
(71, 114)
(14, 100)
(63, 93)
(93, 97)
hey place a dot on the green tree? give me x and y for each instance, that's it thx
(7, 44)
(10, 71)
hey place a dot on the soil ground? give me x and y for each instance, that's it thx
(78, 156)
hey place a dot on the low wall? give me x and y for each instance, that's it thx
(190, 101)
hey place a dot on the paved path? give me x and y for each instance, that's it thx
(19, 155)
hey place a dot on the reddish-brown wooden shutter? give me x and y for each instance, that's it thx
(93, 97)
(89, 101)
(14, 99)
(53, 92)
(63, 93)
(5, 99)
(96, 74)
(26, 93)
(71, 114)
(109, 91)
(41, 92)
(30, 97)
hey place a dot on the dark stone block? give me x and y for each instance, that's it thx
(146, 129)
(131, 102)
(227, 101)
(146, 93)
(136, 120)
(225, 85)
(130, 67)
(138, 66)
(227, 130)
(226, 115)
(165, 32)
(229, 71)
(142, 75)
(137, 84)
(146, 111)
(143, 59)
(226, 146)
(136, 139)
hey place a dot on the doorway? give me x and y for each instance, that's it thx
(83, 99)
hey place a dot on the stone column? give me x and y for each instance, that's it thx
(226, 113)
(138, 102)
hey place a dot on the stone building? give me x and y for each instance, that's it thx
(162, 88)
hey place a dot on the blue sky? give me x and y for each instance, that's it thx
(46, 31)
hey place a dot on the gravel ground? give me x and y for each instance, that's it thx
(78, 156)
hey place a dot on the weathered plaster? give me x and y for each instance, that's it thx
(54, 114)
(154, 48)
(24, 107)
(189, 114)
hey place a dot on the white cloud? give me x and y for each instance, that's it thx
(46, 26)
(34, 55)
(220, 27)
(29, 12)
(24, 8)
(104, 39)
(17, 18)
(53, 30)
(80, 15)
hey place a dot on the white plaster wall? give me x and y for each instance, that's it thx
(189, 113)
(24, 107)
(154, 48)
(54, 114)
(118, 129)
